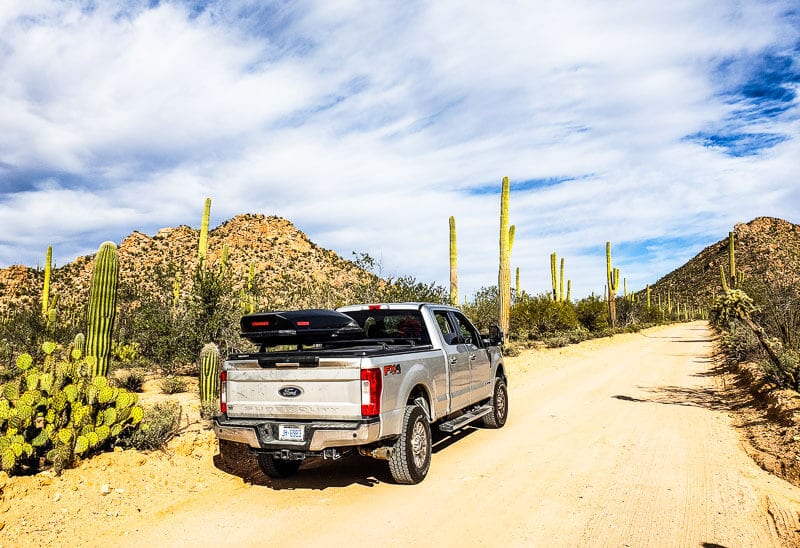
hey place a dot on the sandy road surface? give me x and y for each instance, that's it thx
(617, 442)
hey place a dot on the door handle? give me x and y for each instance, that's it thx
(472, 357)
(453, 360)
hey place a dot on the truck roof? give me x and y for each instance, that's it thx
(392, 306)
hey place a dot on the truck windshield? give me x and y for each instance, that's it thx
(392, 324)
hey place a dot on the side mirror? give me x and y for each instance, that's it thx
(495, 336)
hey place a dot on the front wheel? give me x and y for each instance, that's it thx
(411, 459)
(277, 468)
(497, 418)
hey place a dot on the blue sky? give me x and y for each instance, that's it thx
(655, 125)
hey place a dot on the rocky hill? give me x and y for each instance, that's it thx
(767, 252)
(289, 269)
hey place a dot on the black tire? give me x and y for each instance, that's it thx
(412, 451)
(497, 418)
(277, 468)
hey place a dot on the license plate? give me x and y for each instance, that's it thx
(288, 432)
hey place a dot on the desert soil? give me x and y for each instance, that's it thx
(615, 442)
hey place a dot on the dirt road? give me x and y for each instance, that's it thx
(618, 442)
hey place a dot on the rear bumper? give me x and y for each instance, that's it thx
(319, 435)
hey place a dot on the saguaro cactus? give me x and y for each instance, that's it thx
(553, 278)
(46, 289)
(612, 276)
(732, 258)
(202, 249)
(736, 276)
(102, 307)
(209, 373)
(516, 284)
(453, 263)
(504, 273)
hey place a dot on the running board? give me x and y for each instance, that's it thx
(465, 419)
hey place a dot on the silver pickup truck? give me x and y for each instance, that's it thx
(372, 378)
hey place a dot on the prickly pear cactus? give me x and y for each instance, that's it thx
(61, 415)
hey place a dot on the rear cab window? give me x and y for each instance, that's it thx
(392, 324)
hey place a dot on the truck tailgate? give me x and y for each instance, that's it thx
(330, 391)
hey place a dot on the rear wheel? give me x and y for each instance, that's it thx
(412, 451)
(277, 468)
(497, 418)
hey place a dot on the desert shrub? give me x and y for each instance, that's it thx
(556, 341)
(592, 313)
(482, 310)
(174, 385)
(209, 409)
(512, 348)
(540, 315)
(132, 379)
(161, 423)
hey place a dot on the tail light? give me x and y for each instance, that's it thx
(223, 380)
(371, 384)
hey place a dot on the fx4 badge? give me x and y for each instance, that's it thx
(391, 370)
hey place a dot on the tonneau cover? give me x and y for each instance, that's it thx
(299, 327)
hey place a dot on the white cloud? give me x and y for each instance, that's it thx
(369, 125)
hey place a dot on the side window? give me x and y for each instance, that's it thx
(467, 332)
(445, 327)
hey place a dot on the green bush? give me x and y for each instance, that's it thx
(592, 313)
(536, 316)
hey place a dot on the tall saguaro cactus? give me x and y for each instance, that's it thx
(46, 290)
(102, 307)
(732, 258)
(504, 273)
(202, 249)
(612, 276)
(453, 263)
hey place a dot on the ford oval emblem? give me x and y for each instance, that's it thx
(290, 391)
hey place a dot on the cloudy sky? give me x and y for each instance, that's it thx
(655, 125)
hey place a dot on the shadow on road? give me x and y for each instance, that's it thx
(318, 474)
(707, 398)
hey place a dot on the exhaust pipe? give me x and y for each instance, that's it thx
(380, 453)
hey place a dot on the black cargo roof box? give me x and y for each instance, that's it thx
(299, 327)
